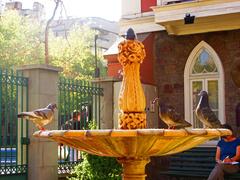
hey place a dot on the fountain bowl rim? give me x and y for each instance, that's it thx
(133, 133)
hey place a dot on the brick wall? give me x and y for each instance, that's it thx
(171, 54)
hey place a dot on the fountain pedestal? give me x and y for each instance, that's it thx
(133, 168)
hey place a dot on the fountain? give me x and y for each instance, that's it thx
(131, 144)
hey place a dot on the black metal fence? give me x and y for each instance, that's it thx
(13, 131)
(79, 107)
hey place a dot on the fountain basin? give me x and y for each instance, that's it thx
(133, 143)
(133, 148)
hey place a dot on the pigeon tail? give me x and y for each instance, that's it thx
(26, 114)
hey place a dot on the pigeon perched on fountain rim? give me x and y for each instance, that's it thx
(171, 117)
(40, 117)
(205, 114)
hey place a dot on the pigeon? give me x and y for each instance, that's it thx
(40, 117)
(205, 114)
(171, 117)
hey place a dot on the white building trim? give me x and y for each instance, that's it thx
(187, 80)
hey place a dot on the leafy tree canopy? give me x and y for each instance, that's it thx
(74, 54)
(22, 42)
(19, 40)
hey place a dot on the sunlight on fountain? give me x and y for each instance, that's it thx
(132, 145)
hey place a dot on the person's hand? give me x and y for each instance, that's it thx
(227, 160)
(219, 161)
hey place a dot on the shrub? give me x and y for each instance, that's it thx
(96, 167)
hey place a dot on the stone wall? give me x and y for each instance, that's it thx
(171, 54)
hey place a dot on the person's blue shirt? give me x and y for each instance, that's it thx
(228, 148)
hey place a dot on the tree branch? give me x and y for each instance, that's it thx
(47, 31)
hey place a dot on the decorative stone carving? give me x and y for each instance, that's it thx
(132, 100)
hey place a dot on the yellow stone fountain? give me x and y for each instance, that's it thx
(131, 144)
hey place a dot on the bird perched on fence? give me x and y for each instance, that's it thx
(171, 117)
(40, 117)
(205, 114)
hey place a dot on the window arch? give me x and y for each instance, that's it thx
(203, 71)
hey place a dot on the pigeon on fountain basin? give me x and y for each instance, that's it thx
(171, 117)
(40, 117)
(205, 114)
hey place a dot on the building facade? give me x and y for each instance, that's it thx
(107, 30)
(191, 45)
(37, 12)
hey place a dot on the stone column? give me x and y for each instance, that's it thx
(106, 106)
(42, 90)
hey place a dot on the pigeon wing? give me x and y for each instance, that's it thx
(208, 117)
(44, 113)
(28, 115)
(177, 118)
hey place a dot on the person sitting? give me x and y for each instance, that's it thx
(227, 156)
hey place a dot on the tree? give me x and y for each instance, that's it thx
(74, 54)
(20, 41)
(47, 31)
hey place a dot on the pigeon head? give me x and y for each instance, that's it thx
(130, 35)
(203, 99)
(203, 93)
(52, 106)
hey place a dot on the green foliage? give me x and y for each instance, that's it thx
(92, 125)
(96, 167)
(75, 54)
(22, 42)
(19, 40)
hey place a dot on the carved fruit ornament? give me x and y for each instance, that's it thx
(131, 101)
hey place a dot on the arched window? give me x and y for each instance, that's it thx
(203, 71)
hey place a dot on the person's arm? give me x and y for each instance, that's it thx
(237, 156)
(217, 156)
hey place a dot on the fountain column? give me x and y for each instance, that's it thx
(133, 168)
(132, 100)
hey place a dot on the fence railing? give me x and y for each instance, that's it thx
(13, 131)
(78, 107)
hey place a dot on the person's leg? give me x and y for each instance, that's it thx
(217, 173)
(230, 169)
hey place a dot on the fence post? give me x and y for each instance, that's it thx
(106, 105)
(42, 153)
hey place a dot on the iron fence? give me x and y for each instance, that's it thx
(78, 107)
(13, 131)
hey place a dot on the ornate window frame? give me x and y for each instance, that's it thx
(187, 80)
